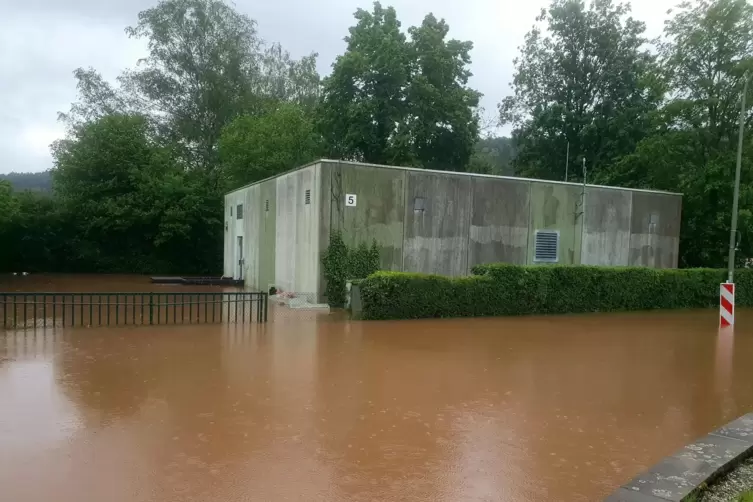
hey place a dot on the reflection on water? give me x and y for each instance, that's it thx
(312, 407)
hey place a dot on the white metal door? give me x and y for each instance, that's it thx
(239, 275)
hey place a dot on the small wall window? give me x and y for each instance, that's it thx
(419, 204)
(239, 211)
(231, 210)
(546, 246)
(307, 197)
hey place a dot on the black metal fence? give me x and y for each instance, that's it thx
(29, 310)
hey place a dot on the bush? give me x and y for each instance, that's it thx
(502, 289)
(341, 264)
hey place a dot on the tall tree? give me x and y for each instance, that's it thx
(206, 65)
(443, 119)
(97, 98)
(707, 48)
(584, 77)
(202, 57)
(363, 107)
(256, 147)
(284, 79)
(134, 208)
(394, 100)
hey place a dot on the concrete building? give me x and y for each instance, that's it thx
(438, 222)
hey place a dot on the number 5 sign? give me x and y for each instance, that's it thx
(350, 200)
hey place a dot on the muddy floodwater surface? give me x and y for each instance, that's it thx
(313, 407)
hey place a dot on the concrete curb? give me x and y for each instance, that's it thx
(699, 463)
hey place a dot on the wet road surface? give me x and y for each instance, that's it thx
(315, 408)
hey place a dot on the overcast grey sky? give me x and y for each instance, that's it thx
(43, 41)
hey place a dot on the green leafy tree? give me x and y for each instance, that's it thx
(363, 109)
(8, 203)
(284, 79)
(443, 120)
(206, 66)
(391, 100)
(255, 147)
(203, 55)
(126, 194)
(707, 48)
(584, 77)
(40, 233)
(493, 155)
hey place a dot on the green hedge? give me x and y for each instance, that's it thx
(501, 289)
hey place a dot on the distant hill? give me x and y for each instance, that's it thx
(36, 182)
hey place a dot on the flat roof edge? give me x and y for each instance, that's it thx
(455, 173)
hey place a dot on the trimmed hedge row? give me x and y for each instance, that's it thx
(502, 289)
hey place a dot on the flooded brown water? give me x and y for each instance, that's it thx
(317, 408)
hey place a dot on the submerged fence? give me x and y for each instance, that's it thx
(30, 310)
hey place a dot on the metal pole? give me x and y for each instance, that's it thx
(736, 196)
(567, 160)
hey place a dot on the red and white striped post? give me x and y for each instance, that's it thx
(726, 304)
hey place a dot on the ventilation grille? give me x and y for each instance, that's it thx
(239, 211)
(546, 246)
(307, 197)
(266, 205)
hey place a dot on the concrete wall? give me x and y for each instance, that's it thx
(499, 221)
(379, 211)
(267, 233)
(250, 223)
(606, 231)
(436, 237)
(248, 228)
(229, 236)
(297, 230)
(556, 207)
(655, 230)
(462, 221)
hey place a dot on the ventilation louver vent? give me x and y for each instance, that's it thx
(308, 197)
(546, 246)
(266, 205)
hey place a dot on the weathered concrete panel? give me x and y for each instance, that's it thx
(287, 193)
(246, 227)
(267, 233)
(228, 256)
(297, 231)
(499, 221)
(379, 211)
(461, 220)
(655, 230)
(250, 233)
(557, 207)
(437, 225)
(606, 232)
(307, 233)
(325, 220)
(233, 230)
